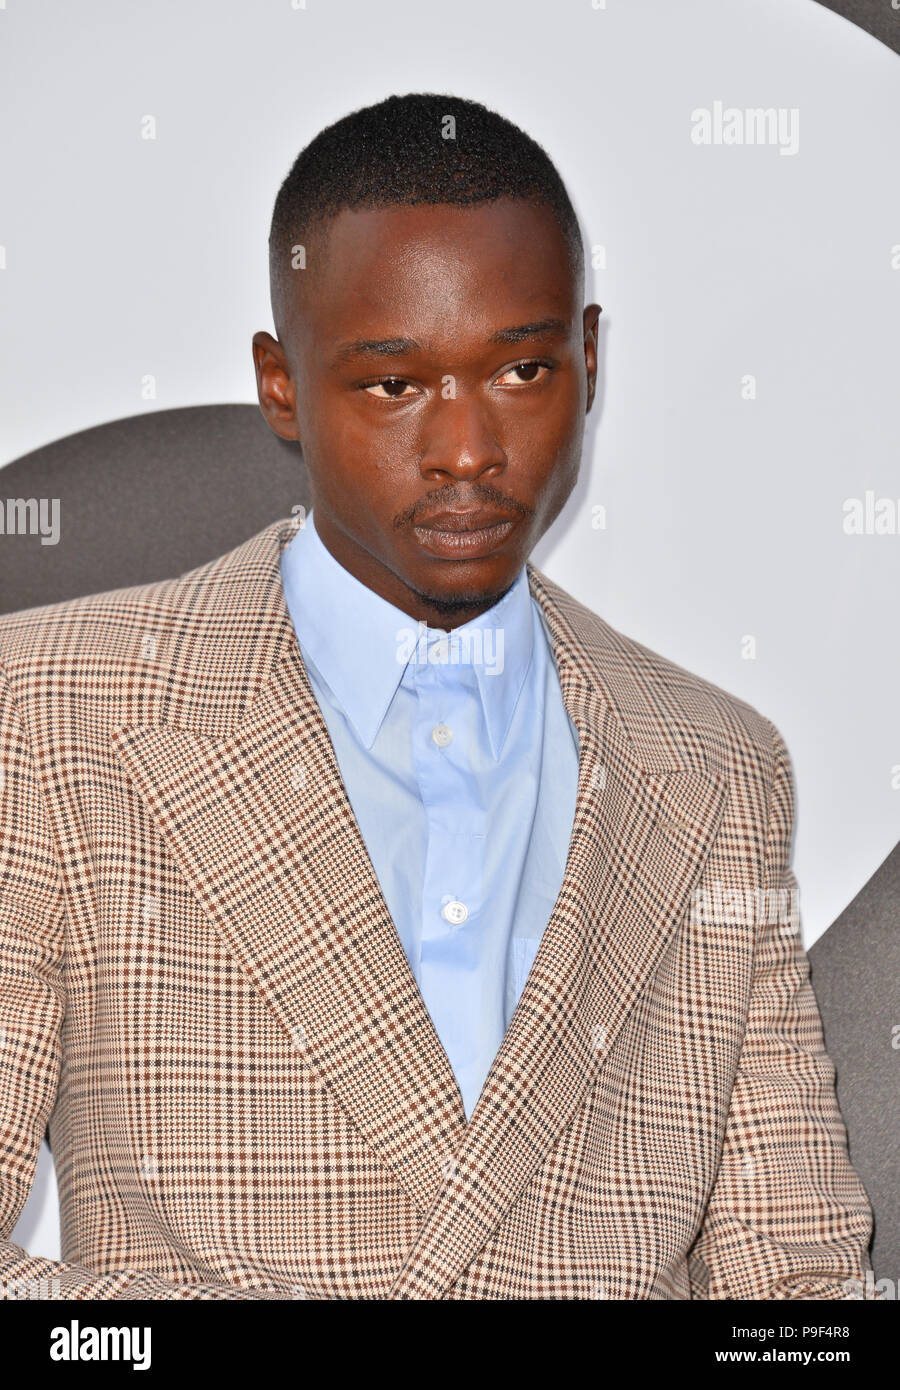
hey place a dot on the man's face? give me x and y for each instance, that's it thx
(436, 365)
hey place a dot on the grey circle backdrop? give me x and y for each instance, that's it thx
(751, 301)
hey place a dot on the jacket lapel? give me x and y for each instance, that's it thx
(259, 824)
(258, 821)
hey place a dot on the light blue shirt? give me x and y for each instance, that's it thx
(461, 764)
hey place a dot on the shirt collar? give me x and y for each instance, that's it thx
(361, 645)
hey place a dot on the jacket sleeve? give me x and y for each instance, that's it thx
(788, 1217)
(32, 1008)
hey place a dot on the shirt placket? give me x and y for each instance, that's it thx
(452, 965)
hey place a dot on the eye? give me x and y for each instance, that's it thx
(531, 368)
(387, 385)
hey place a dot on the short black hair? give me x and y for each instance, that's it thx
(398, 151)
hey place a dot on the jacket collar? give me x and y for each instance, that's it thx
(288, 883)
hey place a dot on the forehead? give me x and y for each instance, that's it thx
(432, 270)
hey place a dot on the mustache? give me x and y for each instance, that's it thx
(452, 496)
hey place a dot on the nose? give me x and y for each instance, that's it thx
(460, 441)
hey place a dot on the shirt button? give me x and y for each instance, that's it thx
(442, 734)
(454, 912)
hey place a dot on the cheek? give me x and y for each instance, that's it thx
(555, 471)
(351, 437)
(356, 477)
(548, 424)
(549, 449)
(338, 448)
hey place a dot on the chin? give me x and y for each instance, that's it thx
(454, 598)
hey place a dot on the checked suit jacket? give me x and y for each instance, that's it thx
(203, 995)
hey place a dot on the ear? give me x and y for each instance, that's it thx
(274, 386)
(591, 315)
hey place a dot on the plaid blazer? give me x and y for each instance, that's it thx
(204, 996)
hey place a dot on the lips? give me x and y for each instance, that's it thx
(471, 519)
(464, 535)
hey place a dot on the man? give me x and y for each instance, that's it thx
(368, 922)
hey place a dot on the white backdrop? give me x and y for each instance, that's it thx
(751, 299)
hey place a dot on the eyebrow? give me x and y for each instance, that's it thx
(400, 347)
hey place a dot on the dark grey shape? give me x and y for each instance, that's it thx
(877, 17)
(146, 498)
(855, 971)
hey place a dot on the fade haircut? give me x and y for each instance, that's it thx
(397, 151)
